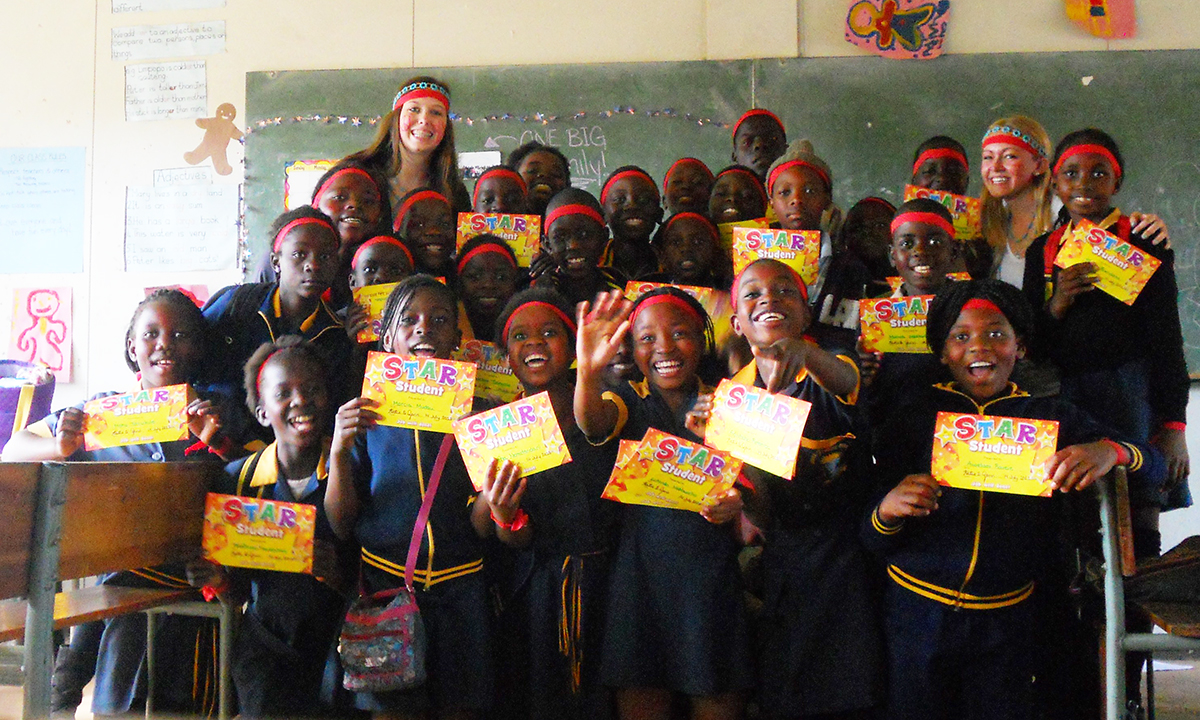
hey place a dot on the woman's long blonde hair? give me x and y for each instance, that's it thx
(996, 218)
(383, 154)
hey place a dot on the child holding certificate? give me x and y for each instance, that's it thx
(1132, 349)
(292, 619)
(378, 479)
(561, 531)
(820, 651)
(165, 344)
(963, 563)
(676, 622)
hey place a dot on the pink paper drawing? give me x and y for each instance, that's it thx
(41, 328)
(1110, 19)
(898, 29)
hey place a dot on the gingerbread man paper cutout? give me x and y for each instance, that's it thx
(218, 131)
(898, 29)
(41, 328)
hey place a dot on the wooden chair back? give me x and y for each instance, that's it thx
(18, 498)
(120, 516)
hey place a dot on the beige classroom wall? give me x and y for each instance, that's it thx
(62, 87)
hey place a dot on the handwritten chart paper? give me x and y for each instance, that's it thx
(46, 184)
(181, 228)
(163, 91)
(146, 42)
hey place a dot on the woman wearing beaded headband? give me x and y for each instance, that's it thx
(414, 146)
(1016, 194)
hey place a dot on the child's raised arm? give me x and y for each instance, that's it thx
(601, 331)
(788, 356)
(28, 446)
(341, 497)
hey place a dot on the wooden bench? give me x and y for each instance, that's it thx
(93, 518)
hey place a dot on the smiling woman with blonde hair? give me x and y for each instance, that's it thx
(415, 143)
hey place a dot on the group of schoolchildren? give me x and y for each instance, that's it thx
(876, 593)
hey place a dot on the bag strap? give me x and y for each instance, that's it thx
(414, 545)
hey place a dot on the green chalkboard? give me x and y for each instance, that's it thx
(864, 115)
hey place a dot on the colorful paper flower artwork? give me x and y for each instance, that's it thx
(898, 29)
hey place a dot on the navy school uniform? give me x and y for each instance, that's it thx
(959, 622)
(246, 316)
(676, 617)
(292, 619)
(1123, 363)
(821, 645)
(392, 468)
(115, 649)
(551, 621)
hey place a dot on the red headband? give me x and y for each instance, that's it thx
(664, 298)
(1008, 138)
(283, 231)
(935, 153)
(316, 202)
(381, 240)
(749, 174)
(484, 248)
(413, 200)
(572, 209)
(926, 218)
(624, 174)
(797, 163)
(567, 319)
(258, 375)
(1094, 150)
(756, 112)
(737, 279)
(708, 224)
(686, 161)
(497, 172)
(878, 201)
(421, 89)
(981, 304)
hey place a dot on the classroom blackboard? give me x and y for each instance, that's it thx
(864, 115)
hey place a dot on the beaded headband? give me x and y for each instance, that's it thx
(1013, 136)
(422, 89)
